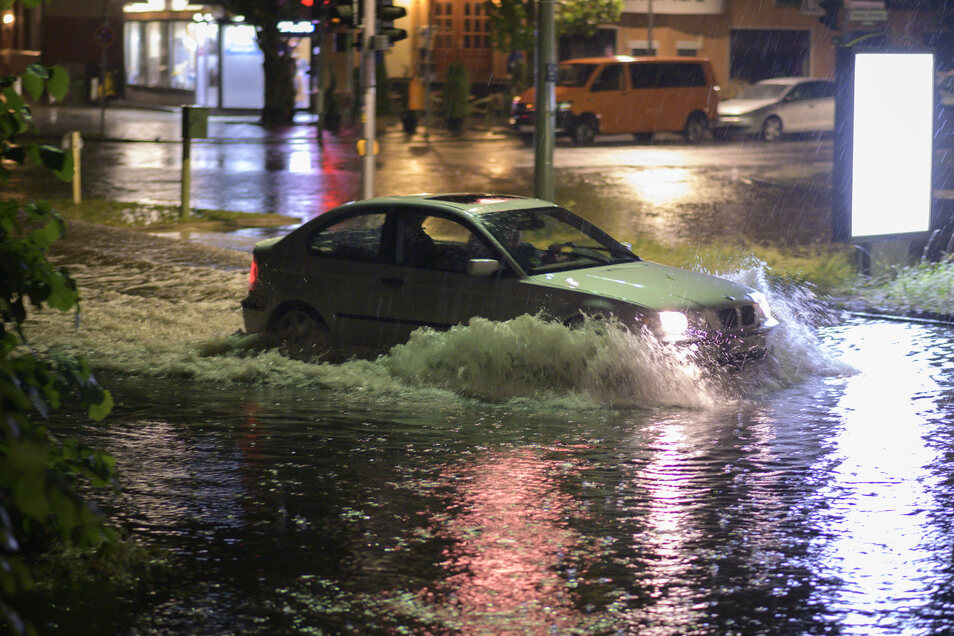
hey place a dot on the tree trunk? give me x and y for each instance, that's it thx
(279, 70)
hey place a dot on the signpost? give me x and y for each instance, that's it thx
(195, 124)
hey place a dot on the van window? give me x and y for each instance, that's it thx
(666, 75)
(610, 79)
(575, 75)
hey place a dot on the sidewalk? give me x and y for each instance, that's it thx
(123, 122)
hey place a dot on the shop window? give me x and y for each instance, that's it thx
(182, 64)
(135, 55)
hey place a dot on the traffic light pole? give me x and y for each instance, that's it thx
(368, 55)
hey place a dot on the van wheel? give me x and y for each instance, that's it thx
(772, 129)
(695, 128)
(584, 131)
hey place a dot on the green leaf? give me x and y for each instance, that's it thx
(98, 412)
(45, 235)
(66, 513)
(30, 498)
(33, 82)
(62, 295)
(58, 161)
(14, 102)
(59, 83)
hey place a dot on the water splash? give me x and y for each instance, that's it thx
(152, 317)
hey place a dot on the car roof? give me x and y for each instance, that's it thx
(629, 58)
(468, 203)
(793, 80)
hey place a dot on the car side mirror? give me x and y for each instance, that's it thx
(482, 266)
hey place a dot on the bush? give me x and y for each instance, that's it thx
(39, 505)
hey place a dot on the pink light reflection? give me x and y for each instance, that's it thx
(511, 537)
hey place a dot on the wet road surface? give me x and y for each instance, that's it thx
(717, 191)
(440, 489)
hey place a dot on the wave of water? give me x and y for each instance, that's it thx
(143, 316)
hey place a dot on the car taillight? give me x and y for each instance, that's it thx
(253, 274)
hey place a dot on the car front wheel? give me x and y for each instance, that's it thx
(772, 129)
(300, 332)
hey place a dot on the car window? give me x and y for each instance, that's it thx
(681, 75)
(819, 90)
(576, 75)
(609, 79)
(798, 93)
(554, 239)
(433, 242)
(357, 238)
(762, 91)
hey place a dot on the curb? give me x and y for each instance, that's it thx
(918, 317)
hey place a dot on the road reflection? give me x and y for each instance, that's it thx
(508, 566)
(881, 488)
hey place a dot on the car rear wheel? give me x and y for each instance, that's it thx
(772, 129)
(584, 131)
(695, 128)
(300, 332)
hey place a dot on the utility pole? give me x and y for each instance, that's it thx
(546, 100)
(368, 55)
(649, 31)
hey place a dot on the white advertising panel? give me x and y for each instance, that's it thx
(892, 144)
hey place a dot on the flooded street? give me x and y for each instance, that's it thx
(508, 478)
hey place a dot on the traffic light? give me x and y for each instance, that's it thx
(830, 16)
(387, 13)
(347, 13)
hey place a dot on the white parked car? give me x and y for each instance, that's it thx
(773, 107)
(368, 273)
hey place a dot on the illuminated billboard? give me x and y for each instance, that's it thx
(892, 149)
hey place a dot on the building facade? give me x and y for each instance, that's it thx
(179, 51)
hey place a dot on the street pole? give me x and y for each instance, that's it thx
(546, 101)
(319, 74)
(649, 31)
(428, 76)
(368, 54)
(103, 61)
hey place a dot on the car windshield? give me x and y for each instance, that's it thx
(574, 74)
(554, 240)
(763, 91)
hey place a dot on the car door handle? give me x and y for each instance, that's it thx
(393, 282)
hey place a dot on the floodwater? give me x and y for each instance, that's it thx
(514, 478)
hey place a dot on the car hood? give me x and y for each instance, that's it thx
(743, 106)
(649, 285)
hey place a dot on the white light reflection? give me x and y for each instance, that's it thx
(880, 497)
(662, 185)
(300, 161)
(671, 496)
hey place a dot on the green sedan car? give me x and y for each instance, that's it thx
(368, 273)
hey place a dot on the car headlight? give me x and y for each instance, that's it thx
(762, 301)
(673, 323)
(562, 106)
